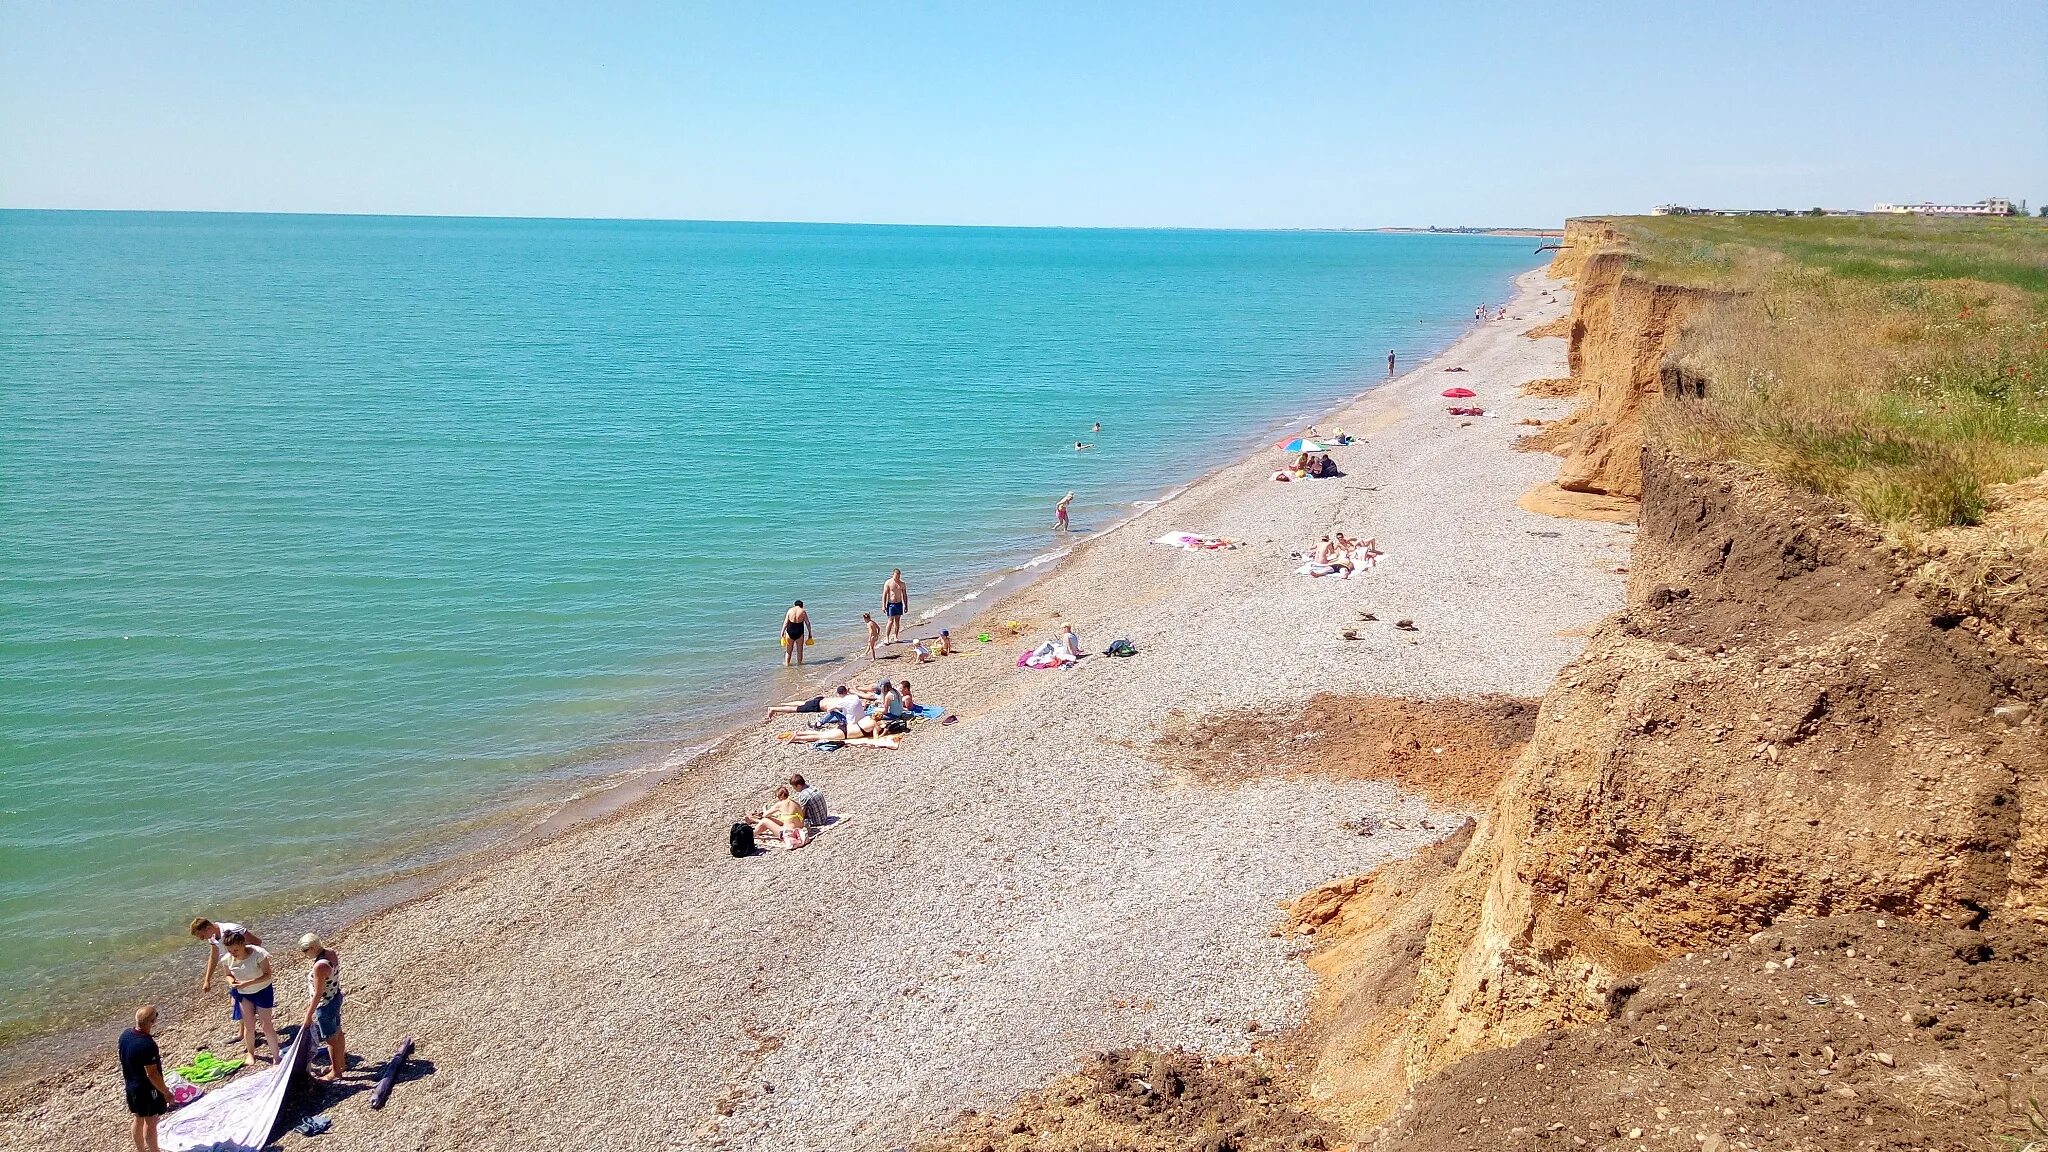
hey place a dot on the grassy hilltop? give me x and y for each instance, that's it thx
(1898, 363)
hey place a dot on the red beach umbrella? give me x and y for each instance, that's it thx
(1459, 393)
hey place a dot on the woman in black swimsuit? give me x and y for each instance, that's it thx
(796, 631)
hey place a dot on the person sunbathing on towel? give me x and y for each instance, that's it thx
(784, 820)
(814, 704)
(1323, 559)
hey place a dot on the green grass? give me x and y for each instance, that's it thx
(1898, 363)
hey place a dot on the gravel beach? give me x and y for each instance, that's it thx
(1011, 891)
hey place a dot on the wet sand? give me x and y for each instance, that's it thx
(1011, 891)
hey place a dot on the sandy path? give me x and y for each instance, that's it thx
(1012, 891)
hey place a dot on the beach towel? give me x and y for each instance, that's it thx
(1195, 542)
(206, 1068)
(238, 1117)
(1050, 654)
(927, 712)
(891, 742)
(766, 844)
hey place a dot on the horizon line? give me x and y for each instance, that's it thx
(1417, 228)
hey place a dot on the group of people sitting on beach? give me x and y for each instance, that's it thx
(852, 713)
(1309, 466)
(796, 814)
(1336, 554)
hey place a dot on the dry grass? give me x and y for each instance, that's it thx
(1901, 366)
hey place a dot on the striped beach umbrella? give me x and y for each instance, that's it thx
(1302, 445)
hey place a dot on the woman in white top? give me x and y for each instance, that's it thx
(249, 983)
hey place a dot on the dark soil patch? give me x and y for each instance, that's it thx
(1452, 750)
(1150, 1102)
(1907, 1036)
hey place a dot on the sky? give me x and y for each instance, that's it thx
(1169, 114)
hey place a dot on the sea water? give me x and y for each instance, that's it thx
(324, 540)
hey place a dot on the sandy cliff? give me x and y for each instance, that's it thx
(1622, 327)
(1794, 718)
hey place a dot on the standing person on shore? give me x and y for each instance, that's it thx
(1390, 363)
(323, 1010)
(895, 602)
(796, 632)
(249, 982)
(874, 634)
(1059, 513)
(142, 1075)
(209, 933)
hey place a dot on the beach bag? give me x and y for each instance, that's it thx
(1120, 648)
(741, 838)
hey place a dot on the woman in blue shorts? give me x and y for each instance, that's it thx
(249, 984)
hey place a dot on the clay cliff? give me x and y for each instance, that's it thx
(1622, 328)
(1794, 718)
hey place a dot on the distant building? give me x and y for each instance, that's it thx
(1679, 210)
(1996, 206)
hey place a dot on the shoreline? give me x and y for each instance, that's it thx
(531, 812)
(707, 779)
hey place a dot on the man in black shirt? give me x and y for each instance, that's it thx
(142, 1071)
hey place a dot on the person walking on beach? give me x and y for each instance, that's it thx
(249, 983)
(142, 1076)
(1390, 364)
(323, 1012)
(1059, 513)
(209, 933)
(895, 602)
(874, 634)
(796, 632)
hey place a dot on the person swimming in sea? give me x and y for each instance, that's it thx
(1097, 429)
(1080, 447)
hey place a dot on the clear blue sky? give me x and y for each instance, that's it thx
(1173, 113)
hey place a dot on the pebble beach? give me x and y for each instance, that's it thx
(1006, 893)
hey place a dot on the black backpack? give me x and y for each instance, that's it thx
(742, 838)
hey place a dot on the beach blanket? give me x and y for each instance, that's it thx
(1194, 542)
(206, 1068)
(774, 843)
(1051, 654)
(238, 1117)
(1362, 559)
(927, 712)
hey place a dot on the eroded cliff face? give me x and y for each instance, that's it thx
(1583, 236)
(1792, 718)
(1622, 328)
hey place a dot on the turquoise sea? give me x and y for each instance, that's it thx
(323, 540)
